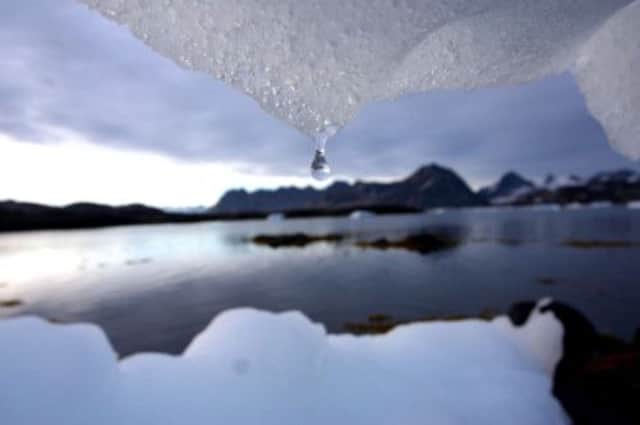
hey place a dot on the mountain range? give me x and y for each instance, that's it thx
(434, 186)
(618, 186)
(430, 186)
(15, 216)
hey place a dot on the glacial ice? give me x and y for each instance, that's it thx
(315, 63)
(255, 367)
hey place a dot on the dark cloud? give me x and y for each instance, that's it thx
(64, 67)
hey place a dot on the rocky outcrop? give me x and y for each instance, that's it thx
(431, 186)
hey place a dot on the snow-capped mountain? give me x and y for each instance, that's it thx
(616, 186)
(510, 187)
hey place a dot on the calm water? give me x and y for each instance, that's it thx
(154, 287)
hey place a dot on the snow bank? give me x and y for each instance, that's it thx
(314, 63)
(254, 367)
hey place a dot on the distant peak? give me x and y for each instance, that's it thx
(510, 184)
(432, 166)
(511, 177)
(429, 169)
(511, 174)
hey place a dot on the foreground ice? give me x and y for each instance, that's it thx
(314, 63)
(254, 367)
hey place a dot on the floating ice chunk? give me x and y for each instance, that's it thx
(361, 214)
(312, 63)
(276, 217)
(254, 367)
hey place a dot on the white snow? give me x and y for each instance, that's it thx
(513, 196)
(254, 367)
(315, 63)
(552, 182)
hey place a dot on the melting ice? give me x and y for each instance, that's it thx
(320, 169)
(253, 367)
(308, 61)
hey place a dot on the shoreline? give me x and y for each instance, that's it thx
(24, 217)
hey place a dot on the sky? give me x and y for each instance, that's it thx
(89, 113)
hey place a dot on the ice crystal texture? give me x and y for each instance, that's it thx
(311, 62)
(253, 367)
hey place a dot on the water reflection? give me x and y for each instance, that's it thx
(154, 287)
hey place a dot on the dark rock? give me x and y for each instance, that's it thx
(598, 378)
(294, 239)
(379, 317)
(382, 323)
(11, 303)
(423, 243)
(519, 312)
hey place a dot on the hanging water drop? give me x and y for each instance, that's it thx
(320, 169)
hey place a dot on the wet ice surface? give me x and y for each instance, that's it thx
(155, 287)
(314, 64)
(252, 367)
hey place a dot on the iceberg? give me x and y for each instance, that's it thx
(256, 367)
(314, 64)
(361, 214)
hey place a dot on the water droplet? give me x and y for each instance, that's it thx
(320, 169)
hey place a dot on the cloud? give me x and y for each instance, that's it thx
(65, 68)
(70, 171)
